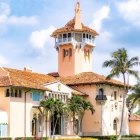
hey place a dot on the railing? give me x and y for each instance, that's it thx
(101, 98)
(72, 40)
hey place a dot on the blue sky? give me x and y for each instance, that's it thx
(26, 25)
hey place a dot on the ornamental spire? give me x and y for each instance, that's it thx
(78, 24)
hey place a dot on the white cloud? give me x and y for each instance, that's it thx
(3, 61)
(130, 10)
(99, 16)
(38, 39)
(7, 19)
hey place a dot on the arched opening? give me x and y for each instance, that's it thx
(101, 92)
(115, 95)
(115, 125)
(76, 126)
(56, 124)
(34, 126)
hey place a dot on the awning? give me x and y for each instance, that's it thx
(3, 117)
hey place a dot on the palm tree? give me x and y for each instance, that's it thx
(77, 106)
(47, 108)
(135, 96)
(53, 107)
(121, 65)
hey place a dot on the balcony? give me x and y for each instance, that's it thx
(74, 38)
(101, 98)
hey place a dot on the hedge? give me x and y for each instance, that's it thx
(44, 138)
(5, 138)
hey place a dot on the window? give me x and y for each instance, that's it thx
(64, 35)
(101, 92)
(36, 96)
(3, 130)
(115, 95)
(7, 93)
(16, 93)
(12, 93)
(20, 93)
(84, 36)
(69, 35)
(70, 52)
(65, 53)
(115, 123)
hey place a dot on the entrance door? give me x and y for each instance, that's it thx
(55, 125)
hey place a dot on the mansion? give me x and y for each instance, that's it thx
(22, 90)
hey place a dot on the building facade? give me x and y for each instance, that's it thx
(22, 90)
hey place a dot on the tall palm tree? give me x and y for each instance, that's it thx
(122, 65)
(77, 106)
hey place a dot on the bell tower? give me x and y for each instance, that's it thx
(74, 43)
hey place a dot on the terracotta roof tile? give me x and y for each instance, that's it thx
(69, 27)
(88, 78)
(21, 78)
(134, 117)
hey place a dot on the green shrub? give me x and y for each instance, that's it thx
(6, 138)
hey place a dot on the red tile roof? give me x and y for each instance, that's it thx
(88, 78)
(22, 78)
(69, 27)
(134, 117)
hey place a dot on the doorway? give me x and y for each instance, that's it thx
(56, 124)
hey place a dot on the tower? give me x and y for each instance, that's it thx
(74, 43)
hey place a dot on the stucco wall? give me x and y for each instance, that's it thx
(101, 122)
(134, 127)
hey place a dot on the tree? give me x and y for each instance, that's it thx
(122, 65)
(135, 96)
(47, 108)
(77, 106)
(53, 107)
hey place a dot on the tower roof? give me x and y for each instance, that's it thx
(70, 27)
(75, 25)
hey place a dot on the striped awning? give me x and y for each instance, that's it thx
(3, 117)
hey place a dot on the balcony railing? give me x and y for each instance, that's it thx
(60, 41)
(101, 98)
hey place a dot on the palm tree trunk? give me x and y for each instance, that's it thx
(54, 128)
(123, 108)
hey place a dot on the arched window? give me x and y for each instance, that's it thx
(115, 125)
(34, 126)
(101, 92)
(7, 93)
(115, 95)
(16, 93)
(70, 52)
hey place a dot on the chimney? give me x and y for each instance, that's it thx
(28, 69)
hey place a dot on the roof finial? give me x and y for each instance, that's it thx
(78, 24)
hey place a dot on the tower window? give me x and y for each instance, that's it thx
(115, 95)
(65, 53)
(70, 51)
(64, 35)
(84, 35)
(69, 35)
